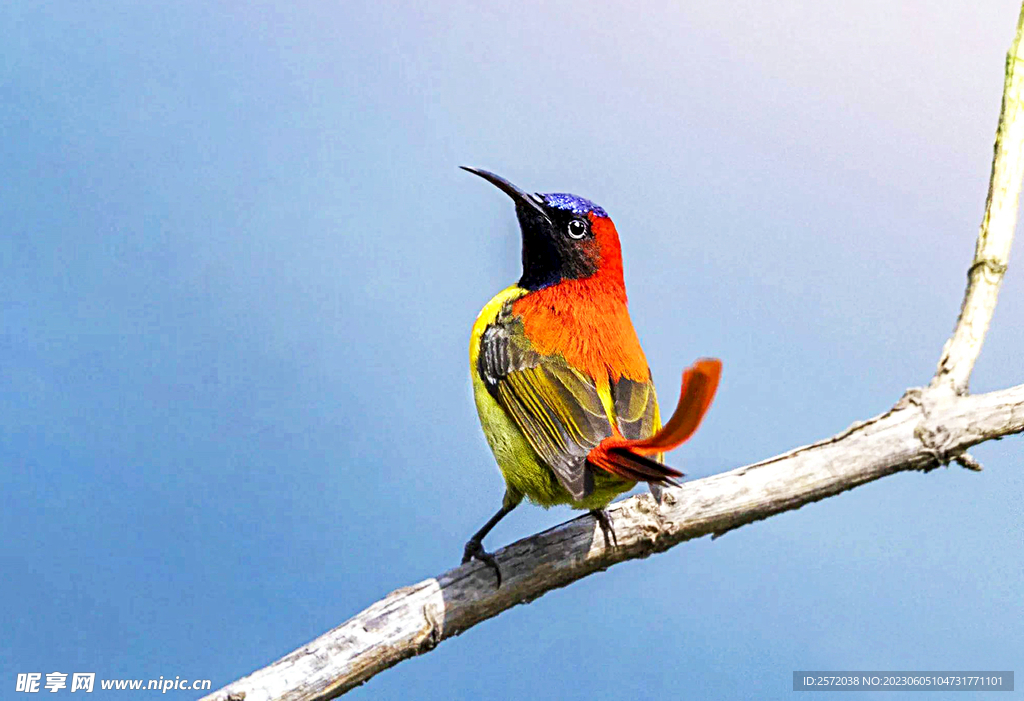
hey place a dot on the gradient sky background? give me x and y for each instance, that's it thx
(239, 269)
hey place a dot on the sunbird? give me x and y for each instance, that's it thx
(562, 386)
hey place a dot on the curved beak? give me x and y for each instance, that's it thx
(517, 195)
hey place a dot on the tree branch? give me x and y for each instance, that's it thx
(921, 432)
(928, 427)
(992, 252)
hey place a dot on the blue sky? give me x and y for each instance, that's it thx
(240, 267)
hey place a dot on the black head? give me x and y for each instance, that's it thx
(559, 238)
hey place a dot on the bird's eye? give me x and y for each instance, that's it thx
(577, 229)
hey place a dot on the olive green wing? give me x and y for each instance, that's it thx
(636, 408)
(557, 408)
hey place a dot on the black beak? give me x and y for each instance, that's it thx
(517, 195)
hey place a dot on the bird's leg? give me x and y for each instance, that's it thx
(606, 527)
(475, 547)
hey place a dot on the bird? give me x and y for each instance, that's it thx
(562, 387)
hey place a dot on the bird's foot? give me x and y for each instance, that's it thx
(606, 528)
(475, 551)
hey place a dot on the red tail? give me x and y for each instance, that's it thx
(628, 458)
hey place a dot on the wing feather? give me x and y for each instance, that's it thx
(557, 407)
(636, 408)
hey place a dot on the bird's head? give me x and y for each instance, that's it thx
(565, 237)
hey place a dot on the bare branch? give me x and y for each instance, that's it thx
(992, 253)
(927, 428)
(923, 431)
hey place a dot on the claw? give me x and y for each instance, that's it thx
(606, 528)
(475, 551)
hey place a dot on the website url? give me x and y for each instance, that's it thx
(164, 685)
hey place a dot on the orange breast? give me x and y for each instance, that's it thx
(587, 321)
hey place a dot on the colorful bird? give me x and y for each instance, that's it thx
(561, 384)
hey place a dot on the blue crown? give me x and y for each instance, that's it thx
(572, 203)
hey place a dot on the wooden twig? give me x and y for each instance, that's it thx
(992, 252)
(928, 427)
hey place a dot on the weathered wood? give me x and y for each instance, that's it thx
(992, 251)
(923, 431)
(928, 427)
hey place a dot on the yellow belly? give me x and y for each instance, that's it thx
(524, 473)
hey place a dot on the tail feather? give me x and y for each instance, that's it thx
(629, 458)
(632, 466)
